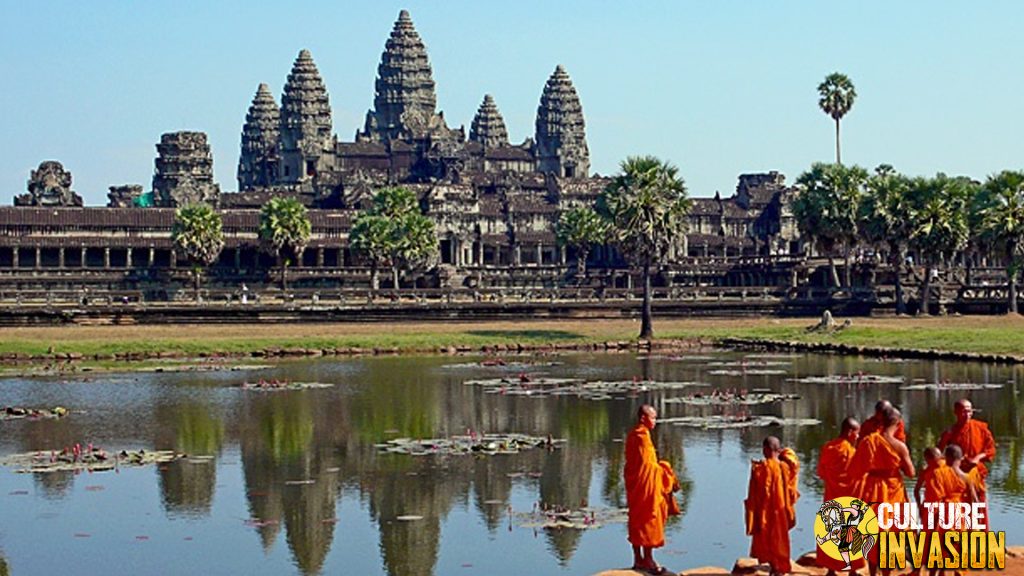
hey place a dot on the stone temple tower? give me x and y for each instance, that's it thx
(184, 171)
(257, 164)
(404, 102)
(305, 144)
(488, 127)
(561, 133)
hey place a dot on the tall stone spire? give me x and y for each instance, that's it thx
(561, 133)
(257, 164)
(404, 102)
(305, 138)
(488, 127)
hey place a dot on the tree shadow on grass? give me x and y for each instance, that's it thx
(528, 334)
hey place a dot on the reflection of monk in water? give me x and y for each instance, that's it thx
(649, 487)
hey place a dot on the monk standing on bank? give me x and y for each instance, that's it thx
(649, 487)
(877, 422)
(771, 505)
(876, 469)
(833, 469)
(977, 443)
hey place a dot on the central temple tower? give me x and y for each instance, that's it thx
(404, 103)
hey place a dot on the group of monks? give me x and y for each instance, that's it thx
(869, 462)
(866, 461)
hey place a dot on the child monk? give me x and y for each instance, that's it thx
(947, 484)
(771, 505)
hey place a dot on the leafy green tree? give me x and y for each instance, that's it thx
(284, 230)
(1002, 219)
(826, 210)
(885, 220)
(198, 235)
(395, 233)
(835, 98)
(581, 228)
(938, 208)
(646, 207)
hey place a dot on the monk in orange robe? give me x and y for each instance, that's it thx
(649, 487)
(876, 468)
(877, 422)
(771, 505)
(947, 484)
(833, 464)
(976, 440)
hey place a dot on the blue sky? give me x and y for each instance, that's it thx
(718, 88)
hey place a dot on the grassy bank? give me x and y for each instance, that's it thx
(981, 334)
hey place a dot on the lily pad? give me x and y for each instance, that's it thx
(849, 379)
(751, 399)
(952, 386)
(719, 422)
(93, 460)
(563, 518)
(746, 372)
(472, 444)
(19, 413)
(282, 385)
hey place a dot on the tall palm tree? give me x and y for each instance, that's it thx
(646, 207)
(885, 220)
(825, 210)
(581, 228)
(284, 228)
(198, 235)
(836, 96)
(1002, 218)
(938, 230)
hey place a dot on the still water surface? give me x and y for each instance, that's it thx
(191, 517)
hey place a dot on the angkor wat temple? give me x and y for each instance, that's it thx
(494, 202)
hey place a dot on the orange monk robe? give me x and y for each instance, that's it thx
(832, 468)
(944, 486)
(875, 469)
(974, 438)
(975, 478)
(649, 485)
(877, 422)
(833, 465)
(771, 510)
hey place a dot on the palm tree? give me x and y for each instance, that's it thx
(836, 96)
(198, 235)
(284, 227)
(646, 207)
(826, 210)
(394, 232)
(1002, 218)
(581, 228)
(938, 223)
(885, 220)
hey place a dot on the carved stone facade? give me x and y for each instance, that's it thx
(49, 186)
(561, 131)
(488, 127)
(127, 196)
(258, 162)
(495, 204)
(184, 171)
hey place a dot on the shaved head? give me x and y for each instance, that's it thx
(882, 406)
(892, 417)
(772, 443)
(963, 409)
(645, 410)
(849, 424)
(954, 453)
(932, 454)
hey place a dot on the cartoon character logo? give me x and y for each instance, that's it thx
(846, 529)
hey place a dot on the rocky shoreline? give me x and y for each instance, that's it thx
(805, 566)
